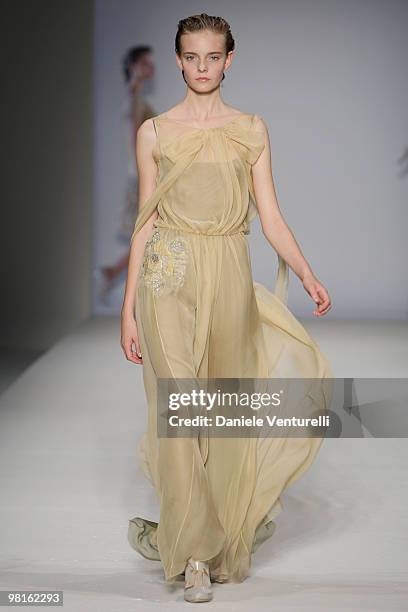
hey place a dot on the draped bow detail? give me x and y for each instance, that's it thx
(183, 153)
(235, 140)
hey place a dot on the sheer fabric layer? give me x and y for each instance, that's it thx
(199, 315)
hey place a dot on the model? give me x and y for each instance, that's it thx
(192, 310)
(138, 68)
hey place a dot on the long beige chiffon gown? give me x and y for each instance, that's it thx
(199, 314)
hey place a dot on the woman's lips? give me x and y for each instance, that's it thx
(202, 79)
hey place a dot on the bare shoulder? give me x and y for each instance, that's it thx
(146, 130)
(146, 138)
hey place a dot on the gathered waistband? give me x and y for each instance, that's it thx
(192, 231)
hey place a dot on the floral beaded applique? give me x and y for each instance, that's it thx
(164, 263)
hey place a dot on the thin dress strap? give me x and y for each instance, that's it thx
(156, 148)
(155, 126)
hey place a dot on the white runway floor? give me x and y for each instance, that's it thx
(70, 482)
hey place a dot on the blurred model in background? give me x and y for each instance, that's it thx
(138, 67)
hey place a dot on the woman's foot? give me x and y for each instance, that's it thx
(197, 585)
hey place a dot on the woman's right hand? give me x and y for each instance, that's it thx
(129, 336)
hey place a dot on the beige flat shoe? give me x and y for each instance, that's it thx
(197, 586)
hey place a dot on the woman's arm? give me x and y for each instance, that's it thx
(276, 230)
(147, 174)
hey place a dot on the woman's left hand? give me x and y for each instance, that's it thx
(318, 293)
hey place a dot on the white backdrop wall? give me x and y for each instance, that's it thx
(329, 79)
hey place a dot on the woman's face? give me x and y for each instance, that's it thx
(143, 69)
(203, 55)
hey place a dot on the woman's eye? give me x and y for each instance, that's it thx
(190, 57)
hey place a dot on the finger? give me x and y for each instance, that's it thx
(130, 353)
(130, 356)
(323, 297)
(315, 296)
(134, 359)
(317, 299)
(324, 311)
(324, 304)
(137, 350)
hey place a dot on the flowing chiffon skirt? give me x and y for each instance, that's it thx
(200, 315)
